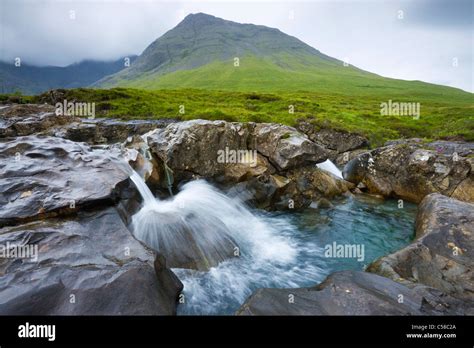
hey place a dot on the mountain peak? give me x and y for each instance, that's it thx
(200, 18)
(201, 39)
(199, 15)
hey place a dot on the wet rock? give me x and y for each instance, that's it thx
(286, 148)
(141, 160)
(191, 148)
(231, 152)
(27, 119)
(46, 176)
(107, 131)
(442, 256)
(308, 184)
(411, 171)
(272, 178)
(87, 265)
(295, 189)
(354, 293)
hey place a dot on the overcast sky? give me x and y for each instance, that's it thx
(429, 40)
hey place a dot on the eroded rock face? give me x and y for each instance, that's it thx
(42, 176)
(442, 256)
(191, 148)
(199, 147)
(354, 293)
(27, 119)
(308, 184)
(345, 157)
(337, 141)
(106, 131)
(285, 147)
(411, 170)
(41, 119)
(280, 171)
(91, 260)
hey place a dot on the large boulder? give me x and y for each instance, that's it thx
(45, 176)
(279, 174)
(354, 293)
(191, 148)
(86, 265)
(442, 256)
(304, 185)
(411, 170)
(210, 149)
(285, 147)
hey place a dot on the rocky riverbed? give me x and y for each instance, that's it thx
(65, 189)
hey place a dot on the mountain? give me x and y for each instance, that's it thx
(200, 51)
(30, 79)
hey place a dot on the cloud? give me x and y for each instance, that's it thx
(441, 14)
(370, 34)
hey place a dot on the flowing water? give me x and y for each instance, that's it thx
(277, 249)
(330, 167)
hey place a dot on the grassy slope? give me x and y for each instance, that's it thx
(439, 119)
(262, 89)
(289, 73)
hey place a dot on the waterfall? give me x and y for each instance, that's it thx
(198, 231)
(330, 167)
(200, 227)
(145, 192)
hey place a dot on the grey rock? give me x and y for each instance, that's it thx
(442, 256)
(354, 293)
(286, 148)
(27, 119)
(331, 139)
(45, 176)
(87, 265)
(411, 171)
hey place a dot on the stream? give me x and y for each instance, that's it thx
(278, 249)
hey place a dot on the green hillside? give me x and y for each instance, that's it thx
(288, 74)
(200, 51)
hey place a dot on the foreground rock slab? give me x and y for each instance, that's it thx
(88, 265)
(353, 293)
(44, 176)
(442, 256)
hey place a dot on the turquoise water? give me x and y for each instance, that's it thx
(296, 252)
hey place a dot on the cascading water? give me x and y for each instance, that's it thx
(148, 198)
(330, 167)
(283, 250)
(200, 227)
